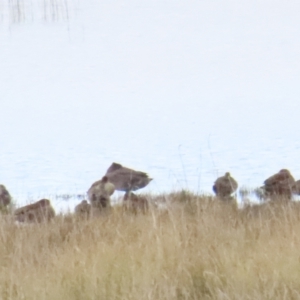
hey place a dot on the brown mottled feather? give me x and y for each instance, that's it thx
(5, 197)
(35, 212)
(83, 208)
(99, 193)
(125, 179)
(135, 203)
(280, 184)
(224, 186)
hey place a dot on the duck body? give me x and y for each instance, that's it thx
(126, 179)
(225, 185)
(280, 184)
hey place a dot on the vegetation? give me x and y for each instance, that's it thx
(195, 248)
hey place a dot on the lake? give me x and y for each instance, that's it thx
(183, 90)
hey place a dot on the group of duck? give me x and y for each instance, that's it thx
(281, 185)
(117, 178)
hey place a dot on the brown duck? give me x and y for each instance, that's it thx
(125, 179)
(5, 198)
(225, 185)
(135, 203)
(280, 184)
(99, 193)
(83, 208)
(37, 212)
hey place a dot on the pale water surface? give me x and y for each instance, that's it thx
(184, 90)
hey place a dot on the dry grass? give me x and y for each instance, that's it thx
(198, 249)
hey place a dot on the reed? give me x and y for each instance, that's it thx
(195, 248)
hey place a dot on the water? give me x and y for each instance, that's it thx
(183, 90)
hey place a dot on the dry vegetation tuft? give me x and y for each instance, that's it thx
(198, 248)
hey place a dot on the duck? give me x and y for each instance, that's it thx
(5, 197)
(135, 203)
(99, 193)
(225, 185)
(37, 212)
(83, 209)
(279, 184)
(126, 179)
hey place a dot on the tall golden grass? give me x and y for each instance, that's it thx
(198, 248)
